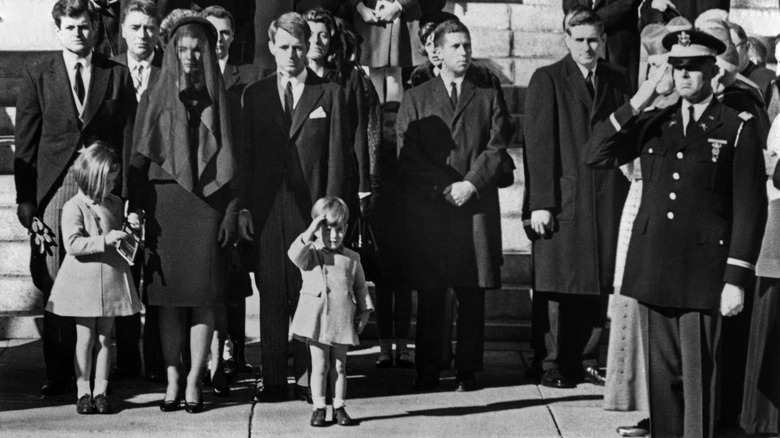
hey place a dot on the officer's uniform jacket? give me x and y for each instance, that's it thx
(703, 201)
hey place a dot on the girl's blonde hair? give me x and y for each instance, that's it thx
(92, 168)
(334, 206)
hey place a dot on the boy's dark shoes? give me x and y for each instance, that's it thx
(52, 388)
(84, 405)
(466, 382)
(553, 378)
(341, 417)
(318, 418)
(102, 406)
(271, 393)
(303, 393)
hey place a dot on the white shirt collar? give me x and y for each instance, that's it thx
(297, 82)
(698, 108)
(448, 80)
(222, 64)
(132, 63)
(71, 59)
(584, 71)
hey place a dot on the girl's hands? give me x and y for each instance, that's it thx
(114, 236)
(361, 321)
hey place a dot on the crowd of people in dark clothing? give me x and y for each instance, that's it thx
(157, 175)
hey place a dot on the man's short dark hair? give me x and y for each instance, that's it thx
(220, 13)
(73, 8)
(582, 16)
(446, 28)
(146, 7)
(292, 23)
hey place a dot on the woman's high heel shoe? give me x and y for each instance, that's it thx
(194, 408)
(171, 405)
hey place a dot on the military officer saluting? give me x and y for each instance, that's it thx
(698, 230)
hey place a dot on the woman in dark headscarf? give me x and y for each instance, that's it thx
(180, 173)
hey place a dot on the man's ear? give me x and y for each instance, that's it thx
(271, 46)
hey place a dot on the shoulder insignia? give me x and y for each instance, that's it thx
(745, 116)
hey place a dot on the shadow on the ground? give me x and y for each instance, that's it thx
(458, 411)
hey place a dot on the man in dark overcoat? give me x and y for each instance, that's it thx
(296, 152)
(621, 27)
(65, 103)
(576, 208)
(452, 137)
(140, 27)
(698, 230)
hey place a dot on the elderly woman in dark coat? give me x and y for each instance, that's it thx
(180, 174)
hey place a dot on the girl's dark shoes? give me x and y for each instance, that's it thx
(84, 405)
(194, 408)
(102, 406)
(318, 418)
(341, 417)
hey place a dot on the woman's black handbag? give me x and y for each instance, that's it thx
(362, 241)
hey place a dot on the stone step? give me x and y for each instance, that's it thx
(10, 228)
(15, 258)
(7, 191)
(19, 296)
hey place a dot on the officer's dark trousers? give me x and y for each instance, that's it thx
(681, 347)
(576, 323)
(430, 330)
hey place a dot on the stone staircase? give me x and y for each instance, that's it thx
(514, 38)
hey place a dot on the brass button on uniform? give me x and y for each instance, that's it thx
(672, 196)
(670, 215)
(676, 176)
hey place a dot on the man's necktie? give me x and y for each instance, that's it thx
(454, 94)
(589, 83)
(138, 76)
(79, 84)
(691, 125)
(288, 102)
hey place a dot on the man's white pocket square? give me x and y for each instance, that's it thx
(319, 113)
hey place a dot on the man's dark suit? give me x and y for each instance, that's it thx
(48, 135)
(575, 267)
(285, 167)
(699, 226)
(448, 246)
(620, 25)
(128, 328)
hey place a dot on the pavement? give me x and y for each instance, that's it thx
(380, 399)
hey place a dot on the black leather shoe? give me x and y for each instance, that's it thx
(102, 406)
(404, 360)
(84, 405)
(593, 376)
(318, 418)
(52, 388)
(553, 378)
(170, 405)
(466, 382)
(341, 417)
(303, 393)
(640, 429)
(384, 361)
(426, 383)
(271, 394)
